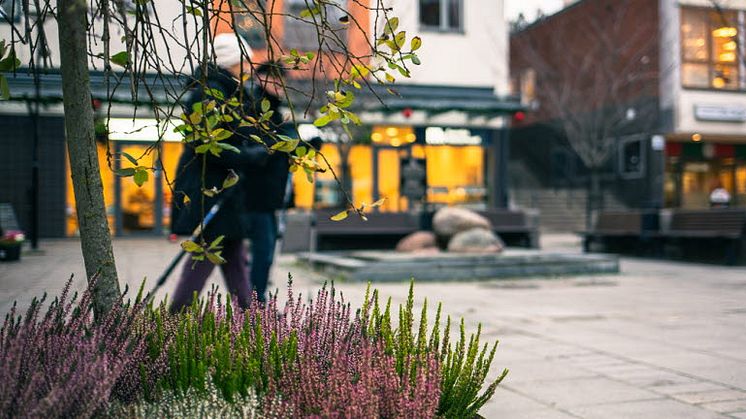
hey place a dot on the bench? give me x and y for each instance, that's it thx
(698, 233)
(621, 229)
(382, 230)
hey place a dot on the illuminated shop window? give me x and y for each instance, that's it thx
(709, 48)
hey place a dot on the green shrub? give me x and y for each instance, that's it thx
(463, 366)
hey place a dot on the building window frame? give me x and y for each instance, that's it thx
(296, 28)
(710, 61)
(8, 7)
(444, 24)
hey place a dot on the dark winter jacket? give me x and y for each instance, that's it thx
(186, 217)
(264, 186)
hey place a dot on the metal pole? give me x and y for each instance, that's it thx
(34, 113)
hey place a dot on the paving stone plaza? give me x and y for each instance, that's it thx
(660, 340)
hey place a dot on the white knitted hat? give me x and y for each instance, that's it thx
(228, 50)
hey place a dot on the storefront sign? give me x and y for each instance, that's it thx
(143, 130)
(451, 136)
(725, 113)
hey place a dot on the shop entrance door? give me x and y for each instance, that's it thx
(139, 209)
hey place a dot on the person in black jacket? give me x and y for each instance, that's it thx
(228, 222)
(265, 186)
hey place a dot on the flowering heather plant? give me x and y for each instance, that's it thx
(311, 357)
(463, 367)
(62, 363)
(308, 359)
(208, 404)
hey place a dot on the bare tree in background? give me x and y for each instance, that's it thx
(156, 50)
(596, 76)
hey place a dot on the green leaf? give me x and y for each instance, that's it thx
(121, 58)
(220, 134)
(230, 180)
(4, 88)
(286, 146)
(391, 25)
(126, 172)
(202, 148)
(400, 38)
(190, 246)
(217, 94)
(226, 146)
(416, 60)
(415, 43)
(265, 105)
(210, 192)
(301, 151)
(194, 11)
(141, 176)
(216, 243)
(340, 216)
(323, 120)
(378, 203)
(130, 158)
(215, 258)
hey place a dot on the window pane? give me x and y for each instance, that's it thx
(724, 35)
(430, 12)
(454, 14)
(725, 77)
(694, 35)
(302, 33)
(695, 75)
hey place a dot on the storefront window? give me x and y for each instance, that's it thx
(107, 178)
(709, 48)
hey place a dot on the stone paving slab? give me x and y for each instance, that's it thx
(381, 266)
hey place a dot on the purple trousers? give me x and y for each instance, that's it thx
(194, 275)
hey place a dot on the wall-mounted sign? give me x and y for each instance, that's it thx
(143, 130)
(723, 113)
(451, 136)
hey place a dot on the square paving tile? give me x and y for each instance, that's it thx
(727, 407)
(711, 396)
(646, 409)
(686, 388)
(581, 391)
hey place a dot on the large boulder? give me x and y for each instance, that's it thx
(417, 242)
(451, 220)
(476, 240)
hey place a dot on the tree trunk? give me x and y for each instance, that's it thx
(95, 239)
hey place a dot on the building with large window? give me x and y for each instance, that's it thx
(650, 94)
(440, 140)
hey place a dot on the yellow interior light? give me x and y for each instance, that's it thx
(392, 131)
(730, 46)
(376, 137)
(411, 138)
(718, 83)
(696, 137)
(728, 56)
(395, 142)
(725, 32)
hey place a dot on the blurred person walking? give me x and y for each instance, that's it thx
(265, 187)
(228, 222)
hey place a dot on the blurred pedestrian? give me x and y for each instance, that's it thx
(228, 222)
(719, 197)
(265, 187)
